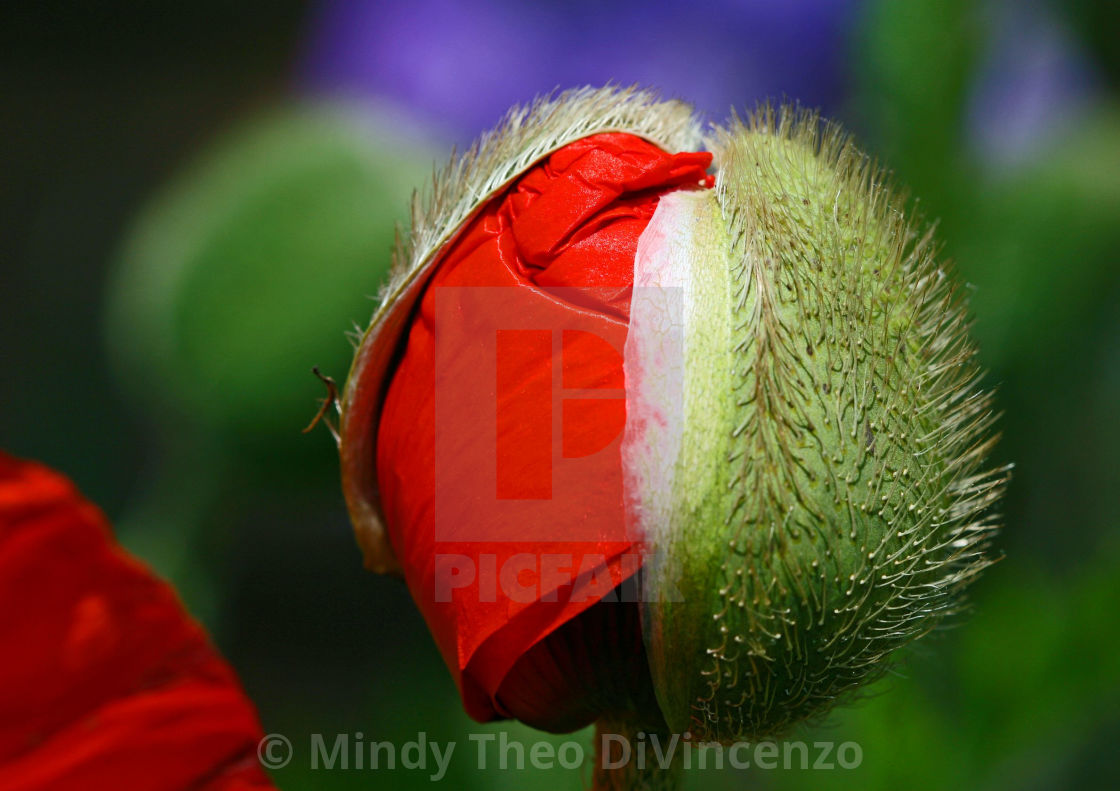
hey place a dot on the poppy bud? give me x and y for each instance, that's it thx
(596, 365)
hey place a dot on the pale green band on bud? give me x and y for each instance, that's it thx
(681, 284)
(805, 433)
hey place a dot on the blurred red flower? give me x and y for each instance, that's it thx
(105, 681)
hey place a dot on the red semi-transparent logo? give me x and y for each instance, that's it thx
(529, 387)
(530, 409)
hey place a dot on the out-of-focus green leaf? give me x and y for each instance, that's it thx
(1041, 243)
(914, 62)
(252, 265)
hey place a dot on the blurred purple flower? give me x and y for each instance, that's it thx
(1034, 82)
(462, 65)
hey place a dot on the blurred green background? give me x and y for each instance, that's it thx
(198, 202)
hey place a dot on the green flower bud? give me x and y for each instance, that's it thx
(805, 433)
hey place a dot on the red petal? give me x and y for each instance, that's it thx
(107, 682)
(504, 506)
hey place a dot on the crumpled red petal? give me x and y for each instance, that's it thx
(105, 681)
(498, 445)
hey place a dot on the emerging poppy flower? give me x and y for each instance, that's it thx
(596, 365)
(107, 683)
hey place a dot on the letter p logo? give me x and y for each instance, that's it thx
(591, 393)
(530, 409)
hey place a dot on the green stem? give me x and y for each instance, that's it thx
(627, 758)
